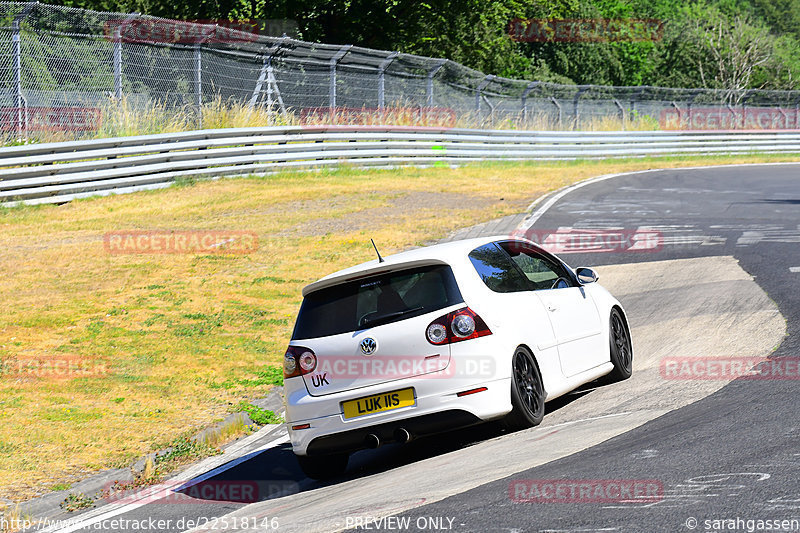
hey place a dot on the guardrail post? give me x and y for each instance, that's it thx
(382, 78)
(429, 81)
(118, 55)
(525, 93)
(16, 52)
(332, 90)
(481, 86)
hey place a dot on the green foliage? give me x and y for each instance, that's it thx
(260, 416)
(474, 32)
(76, 501)
(182, 450)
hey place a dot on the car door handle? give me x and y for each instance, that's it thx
(551, 307)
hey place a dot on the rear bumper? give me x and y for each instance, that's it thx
(418, 426)
(438, 408)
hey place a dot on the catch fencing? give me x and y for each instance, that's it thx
(61, 68)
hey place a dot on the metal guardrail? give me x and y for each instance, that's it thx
(60, 172)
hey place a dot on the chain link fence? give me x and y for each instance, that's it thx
(61, 67)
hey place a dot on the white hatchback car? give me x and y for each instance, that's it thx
(443, 337)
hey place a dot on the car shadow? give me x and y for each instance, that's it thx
(274, 473)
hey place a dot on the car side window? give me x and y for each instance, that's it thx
(542, 272)
(497, 270)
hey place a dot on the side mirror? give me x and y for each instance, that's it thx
(586, 275)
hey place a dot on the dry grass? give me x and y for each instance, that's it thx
(167, 343)
(126, 117)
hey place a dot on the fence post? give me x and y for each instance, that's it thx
(746, 97)
(16, 52)
(198, 71)
(429, 80)
(635, 97)
(576, 114)
(797, 114)
(118, 55)
(481, 86)
(335, 61)
(733, 115)
(680, 119)
(198, 82)
(525, 93)
(558, 106)
(381, 78)
(693, 94)
(621, 112)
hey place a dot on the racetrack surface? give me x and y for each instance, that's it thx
(720, 450)
(731, 455)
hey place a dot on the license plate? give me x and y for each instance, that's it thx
(378, 403)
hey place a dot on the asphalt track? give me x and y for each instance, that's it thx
(719, 450)
(732, 455)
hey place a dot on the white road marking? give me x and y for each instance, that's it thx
(794, 269)
(549, 201)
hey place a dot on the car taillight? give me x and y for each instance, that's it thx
(456, 326)
(298, 361)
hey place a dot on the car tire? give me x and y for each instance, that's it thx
(527, 392)
(621, 349)
(323, 467)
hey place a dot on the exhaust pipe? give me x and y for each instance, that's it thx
(402, 435)
(372, 441)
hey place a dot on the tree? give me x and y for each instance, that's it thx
(735, 47)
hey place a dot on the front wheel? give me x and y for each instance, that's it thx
(621, 349)
(527, 392)
(323, 466)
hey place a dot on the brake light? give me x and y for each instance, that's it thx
(456, 326)
(298, 361)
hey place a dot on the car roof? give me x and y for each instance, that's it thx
(445, 253)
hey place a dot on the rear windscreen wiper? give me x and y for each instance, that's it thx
(390, 316)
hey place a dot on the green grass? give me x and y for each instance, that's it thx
(76, 501)
(260, 416)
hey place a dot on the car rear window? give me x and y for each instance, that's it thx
(376, 300)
